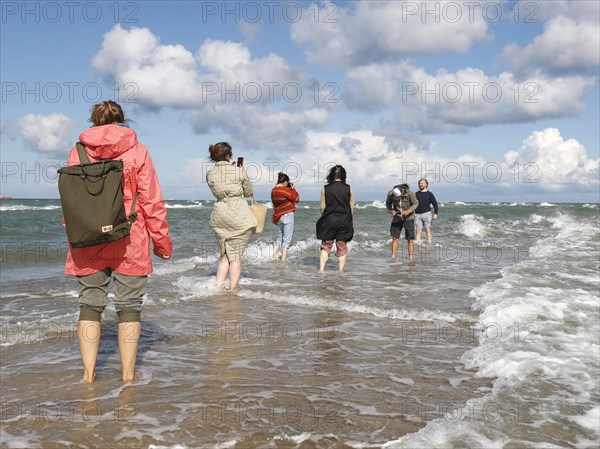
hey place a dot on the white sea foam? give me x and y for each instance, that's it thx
(590, 420)
(296, 439)
(27, 440)
(569, 229)
(403, 380)
(535, 218)
(471, 226)
(46, 329)
(445, 433)
(535, 332)
(175, 446)
(21, 207)
(547, 205)
(590, 206)
(193, 205)
(378, 244)
(224, 445)
(395, 314)
(183, 265)
(530, 324)
(196, 287)
(259, 252)
(376, 204)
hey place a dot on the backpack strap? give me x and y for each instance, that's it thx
(133, 213)
(83, 159)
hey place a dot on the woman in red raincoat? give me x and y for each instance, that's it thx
(127, 259)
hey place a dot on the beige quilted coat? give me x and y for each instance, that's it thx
(231, 216)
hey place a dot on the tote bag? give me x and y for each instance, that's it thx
(260, 212)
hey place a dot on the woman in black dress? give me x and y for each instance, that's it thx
(335, 224)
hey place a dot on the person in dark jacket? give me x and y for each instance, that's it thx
(401, 204)
(335, 223)
(423, 214)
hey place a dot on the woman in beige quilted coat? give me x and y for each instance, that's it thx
(231, 219)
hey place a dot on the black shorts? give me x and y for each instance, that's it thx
(398, 224)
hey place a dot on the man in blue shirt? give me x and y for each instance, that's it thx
(423, 214)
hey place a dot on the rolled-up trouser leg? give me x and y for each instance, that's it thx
(93, 295)
(129, 294)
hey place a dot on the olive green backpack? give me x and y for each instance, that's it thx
(92, 201)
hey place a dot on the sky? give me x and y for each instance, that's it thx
(489, 100)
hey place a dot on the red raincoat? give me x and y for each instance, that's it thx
(129, 255)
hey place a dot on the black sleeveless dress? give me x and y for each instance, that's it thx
(336, 221)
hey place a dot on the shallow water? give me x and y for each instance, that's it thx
(481, 340)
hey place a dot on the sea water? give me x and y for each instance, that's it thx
(487, 338)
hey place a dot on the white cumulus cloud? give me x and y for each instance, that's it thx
(543, 163)
(556, 162)
(456, 101)
(259, 101)
(566, 45)
(50, 134)
(575, 9)
(259, 128)
(372, 31)
(163, 75)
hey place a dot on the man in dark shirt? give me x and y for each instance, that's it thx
(423, 214)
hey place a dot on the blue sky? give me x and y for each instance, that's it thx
(490, 101)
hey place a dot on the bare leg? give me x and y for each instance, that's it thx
(323, 259)
(418, 235)
(428, 232)
(235, 269)
(88, 334)
(222, 270)
(275, 251)
(342, 262)
(394, 247)
(411, 248)
(284, 253)
(129, 337)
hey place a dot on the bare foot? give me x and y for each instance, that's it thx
(87, 378)
(136, 376)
